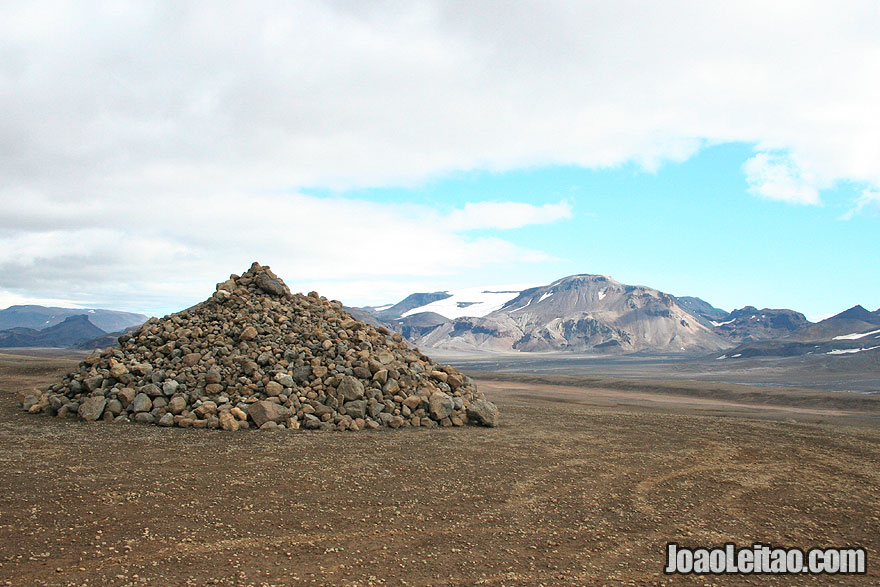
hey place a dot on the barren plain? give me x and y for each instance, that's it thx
(583, 483)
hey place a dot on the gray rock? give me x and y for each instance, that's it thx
(270, 285)
(285, 380)
(170, 387)
(483, 412)
(144, 418)
(114, 406)
(310, 422)
(141, 403)
(356, 408)
(94, 382)
(302, 374)
(440, 405)
(351, 388)
(166, 420)
(92, 408)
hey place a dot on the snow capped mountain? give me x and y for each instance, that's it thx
(580, 313)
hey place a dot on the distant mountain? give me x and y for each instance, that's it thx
(852, 321)
(41, 317)
(103, 341)
(853, 331)
(72, 330)
(749, 324)
(416, 300)
(580, 313)
(706, 313)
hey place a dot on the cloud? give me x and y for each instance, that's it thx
(777, 177)
(507, 215)
(868, 200)
(133, 133)
(175, 247)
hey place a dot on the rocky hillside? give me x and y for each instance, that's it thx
(581, 313)
(853, 332)
(749, 323)
(256, 355)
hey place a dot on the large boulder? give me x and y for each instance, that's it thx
(92, 407)
(440, 405)
(351, 388)
(483, 412)
(266, 411)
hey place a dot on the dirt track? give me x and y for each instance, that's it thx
(582, 489)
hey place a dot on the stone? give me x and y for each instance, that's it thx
(454, 381)
(176, 405)
(114, 406)
(269, 284)
(92, 408)
(170, 387)
(118, 370)
(381, 376)
(273, 389)
(144, 418)
(213, 375)
(94, 382)
(191, 359)
(206, 409)
(141, 403)
(413, 402)
(440, 405)
(228, 422)
(483, 412)
(166, 420)
(125, 396)
(302, 374)
(238, 413)
(248, 333)
(351, 388)
(266, 411)
(284, 380)
(356, 408)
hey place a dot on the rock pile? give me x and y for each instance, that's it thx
(255, 355)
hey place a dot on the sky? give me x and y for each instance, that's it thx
(368, 150)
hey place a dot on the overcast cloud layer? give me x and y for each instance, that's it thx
(146, 149)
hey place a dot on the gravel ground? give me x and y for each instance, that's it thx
(564, 492)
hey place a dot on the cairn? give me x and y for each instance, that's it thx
(255, 355)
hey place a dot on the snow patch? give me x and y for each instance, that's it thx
(474, 302)
(545, 296)
(850, 351)
(521, 307)
(855, 335)
(602, 293)
(380, 308)
(721, 357)
(736, 355)
(716, 324)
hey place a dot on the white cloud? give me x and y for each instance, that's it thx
(868, 200)
(138, 141)
(159, 251)
(778, 177)
(507, 215)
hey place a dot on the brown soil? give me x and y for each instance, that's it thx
(580, 485)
